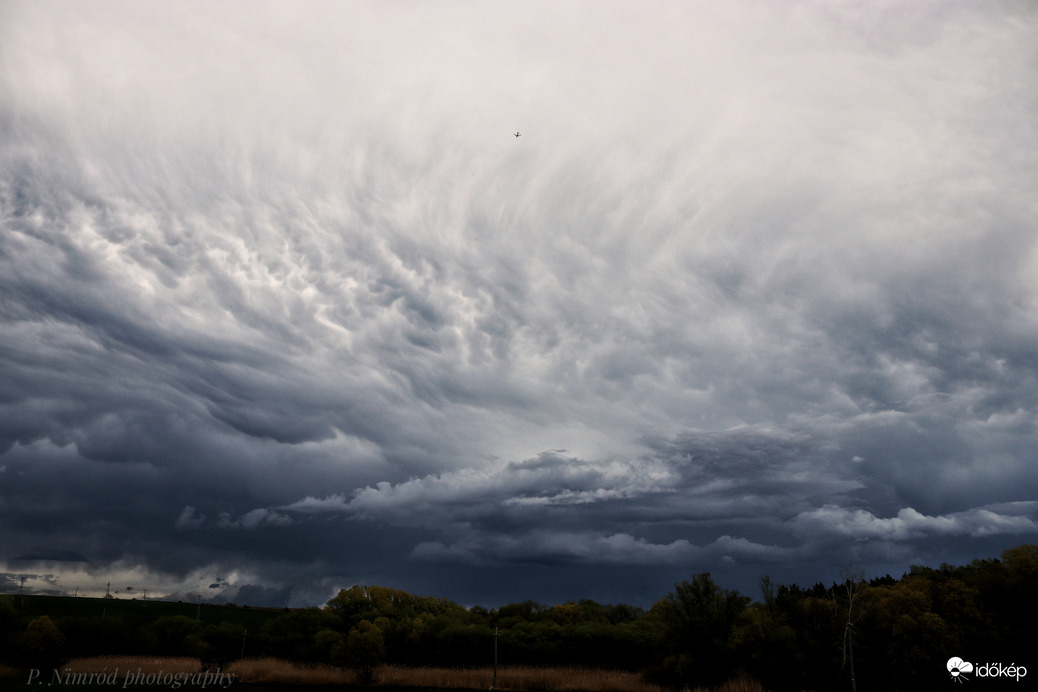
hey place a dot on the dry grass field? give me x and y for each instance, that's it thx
(271, 671)
(277, 672)
(563, 679)
(147, 664)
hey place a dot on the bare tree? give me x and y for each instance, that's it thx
(850, 587)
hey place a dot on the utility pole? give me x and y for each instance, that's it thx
(198, 611)
(497, 634)
(850, 637)
(244, 633)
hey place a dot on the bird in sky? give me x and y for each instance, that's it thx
(517, 134)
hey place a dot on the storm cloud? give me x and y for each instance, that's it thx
(286, 306)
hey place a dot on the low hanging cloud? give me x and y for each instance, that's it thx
(252, 520)
(618, 549)
(550, 478)
(861, 524)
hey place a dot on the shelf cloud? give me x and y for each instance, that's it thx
(286, 307)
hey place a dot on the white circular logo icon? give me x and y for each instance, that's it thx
(957, 667)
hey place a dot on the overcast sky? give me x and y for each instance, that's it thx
(286, 307)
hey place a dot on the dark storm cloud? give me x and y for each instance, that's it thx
(53, 556)
(283, 309)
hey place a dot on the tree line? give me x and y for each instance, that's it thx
(855, 633)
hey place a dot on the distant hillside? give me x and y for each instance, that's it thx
(137, 612)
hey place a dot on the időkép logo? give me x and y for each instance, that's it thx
(960, 670)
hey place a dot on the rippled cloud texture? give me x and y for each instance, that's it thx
(286, 306)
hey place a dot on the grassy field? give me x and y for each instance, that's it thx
(274, 673)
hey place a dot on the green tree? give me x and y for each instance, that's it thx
(1022, 562)
(43, 645)
(696, 623)
(175, 635)
(1022, 571)
(295, 636)
(220, 644)
(513, 613)
(370, 602)
(327, 642)
(766, 644)
(365, 651)
(10, 629)
(904, 635)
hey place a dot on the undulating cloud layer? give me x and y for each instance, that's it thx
(287, 307)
